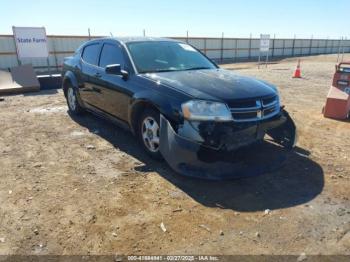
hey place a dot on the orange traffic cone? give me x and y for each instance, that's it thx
(297, 73)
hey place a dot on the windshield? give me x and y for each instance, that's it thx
(166, 56)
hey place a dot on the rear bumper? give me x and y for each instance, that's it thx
(192, 157)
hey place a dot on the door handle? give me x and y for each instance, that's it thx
(98, 75)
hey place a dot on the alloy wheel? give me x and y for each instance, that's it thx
(71, 99)
(150, 134)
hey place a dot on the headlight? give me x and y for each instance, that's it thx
(199, 110)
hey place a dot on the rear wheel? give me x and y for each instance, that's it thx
(72, 101)
(148, 132)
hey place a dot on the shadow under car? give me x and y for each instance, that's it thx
(294, 178)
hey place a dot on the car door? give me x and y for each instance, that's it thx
(115, 94)
(89, 91)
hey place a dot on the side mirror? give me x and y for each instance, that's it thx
(115, 69)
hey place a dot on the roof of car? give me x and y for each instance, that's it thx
(129, 39)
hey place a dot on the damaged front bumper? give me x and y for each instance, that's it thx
(210, 151)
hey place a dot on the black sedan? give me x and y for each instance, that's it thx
(180, 104)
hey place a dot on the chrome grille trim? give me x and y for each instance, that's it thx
(270, 104)
(272, 109)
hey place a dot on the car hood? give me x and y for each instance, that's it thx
(214, 84)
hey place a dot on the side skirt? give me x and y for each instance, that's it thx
(99, 113)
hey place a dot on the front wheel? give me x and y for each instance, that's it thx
(148, 132)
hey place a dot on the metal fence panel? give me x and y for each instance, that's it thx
(7, 61)
(197, 43)
(7, 44)
(228, 54)
(214, 54)
(214, 48)
(242, 43)
(278, 43)
(213, 43)
(229, 43)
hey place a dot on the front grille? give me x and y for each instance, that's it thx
(255, 110)
(269, 111)
(244, 115)
(243, 104)
(269, 101)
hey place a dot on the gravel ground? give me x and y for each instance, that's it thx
(83, 186)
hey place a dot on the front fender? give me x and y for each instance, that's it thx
(169, 107)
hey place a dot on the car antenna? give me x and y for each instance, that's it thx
(111, 34)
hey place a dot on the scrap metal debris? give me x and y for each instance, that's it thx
(220, 206)
(302, 257)
(162, 227)
(205, 227)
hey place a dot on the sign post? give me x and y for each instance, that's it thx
(264, 47)
(31, 42)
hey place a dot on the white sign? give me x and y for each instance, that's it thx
(31, 42)
(264, 43)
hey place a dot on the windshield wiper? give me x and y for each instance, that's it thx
(158, 71)
(173, 70)
(197, 68)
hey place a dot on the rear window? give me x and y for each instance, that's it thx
(91, 53)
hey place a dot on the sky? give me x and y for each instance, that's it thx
(235, 18)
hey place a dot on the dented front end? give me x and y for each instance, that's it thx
(204, 149)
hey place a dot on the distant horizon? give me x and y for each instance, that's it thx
(318, 19)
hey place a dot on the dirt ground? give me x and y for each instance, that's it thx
(83, 186)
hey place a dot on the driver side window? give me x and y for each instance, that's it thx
(111, 54)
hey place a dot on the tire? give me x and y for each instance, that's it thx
(148, 133)
(72, 101)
